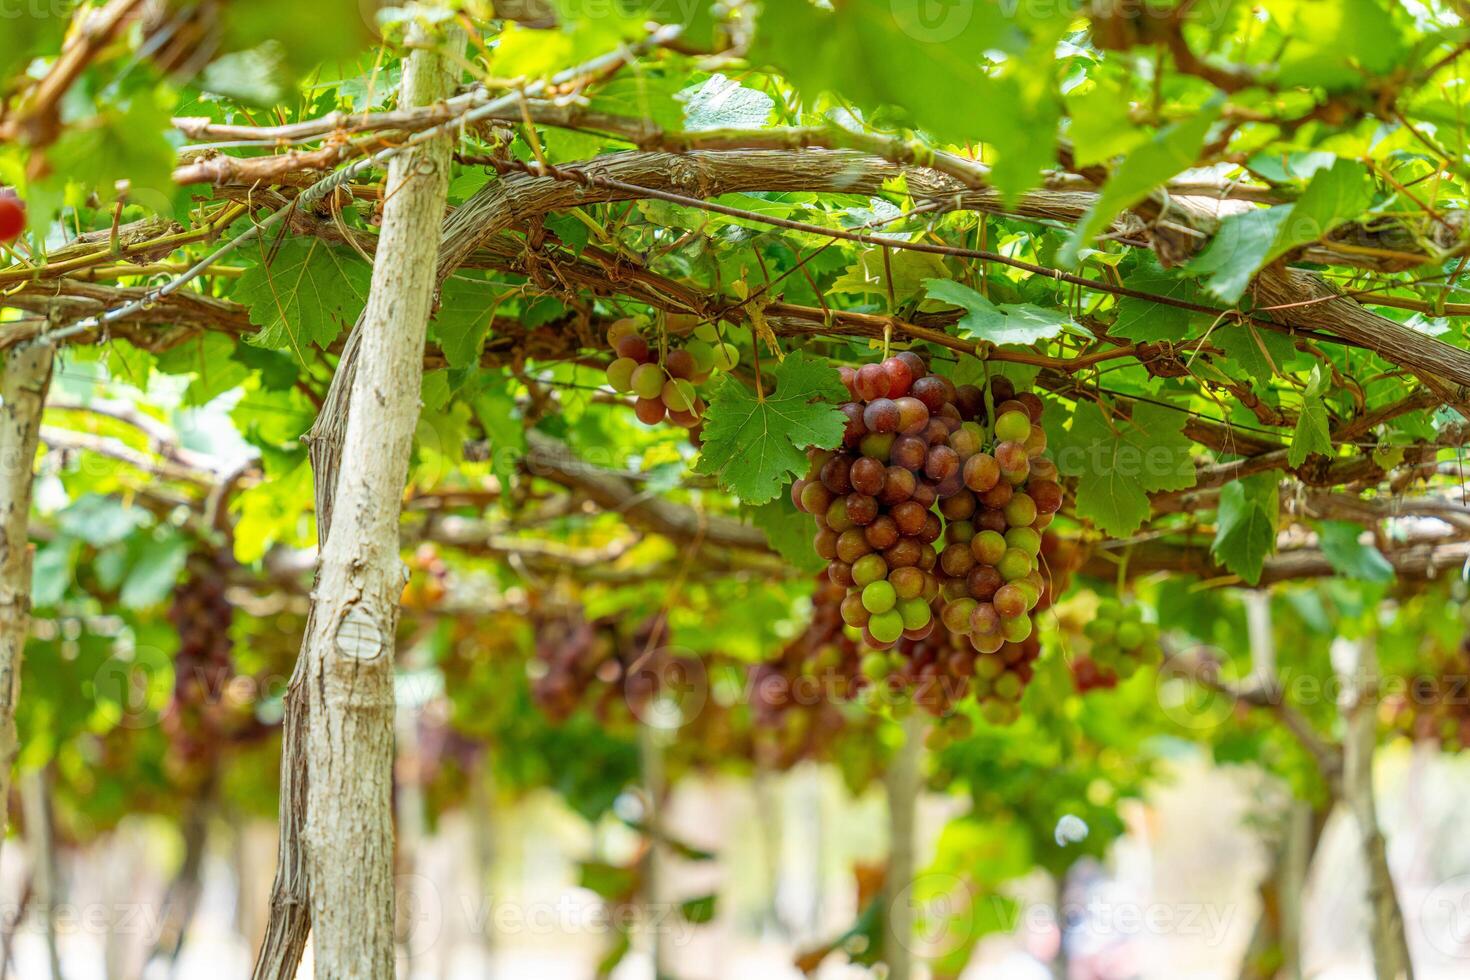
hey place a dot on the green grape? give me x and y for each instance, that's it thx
(879, 597)
(1013, 427)
(648, 381)
(915, 612)
(727, 356)
(886, 627)
(620, 374)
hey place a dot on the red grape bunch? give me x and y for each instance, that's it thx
(921, 467)
(664, 386)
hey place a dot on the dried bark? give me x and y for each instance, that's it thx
(27, 379)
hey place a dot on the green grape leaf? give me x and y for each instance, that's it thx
(999, 323)
(1335, 195)
(495, 407)
(1171, 150)
(897, 53)
(1333, 44)
(306, 34)
(1119, 461)
(1147, 321)
(1235, 253)
(753, 445)
(1245, 525)
(100, 521)
(1342, 544)
(304, 296)
(463, 321)
(908, 271)
(1261, 353)
(789, 531)
(723, 103)
(156, 566)
(32, 30)
(1101, 127)
(210, 358)
(1312, 434)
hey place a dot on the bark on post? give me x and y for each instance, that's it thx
(1386, 923)
(349, 651)
(902, 783)
(27, 378)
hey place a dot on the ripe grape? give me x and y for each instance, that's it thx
(650, 411)
(12, 217)
(941, 462)
(881, 415)
(871, 383)
(899, 376)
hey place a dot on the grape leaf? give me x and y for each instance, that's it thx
(1335, 44)
(115, 146)
(1235, 253)
(1334, 196)
(1119, 461)
(463, 319)
(1311, 435)
(908, 270)
(1101, 127)
(723, 103)
(1342, 544)
(1002, 323)
(157, 562)
(789, 531)
(1245, 525)
(1261, 353)
(304, 296)
(1147, 321)
(927, 59)
(31, 31)
(1171, 150)
(496, 409)
(752, 445)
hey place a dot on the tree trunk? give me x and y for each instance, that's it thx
(1386, 931)
(27, 377)
(349, 650)
(181, 900)
(902, 783)
(651, 758)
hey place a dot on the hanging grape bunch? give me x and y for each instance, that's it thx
(919, 467)
(663, 382)
(200, 717)
(1118, 643)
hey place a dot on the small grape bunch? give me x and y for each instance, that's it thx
(1120, 642)
(666, 389)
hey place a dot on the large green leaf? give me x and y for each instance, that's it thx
(1004, 323)
(1172, 149)
(753, 445)
(926, 61)
(1119, 461)
(1342, 543)
(1245, 525)
(304, 295)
